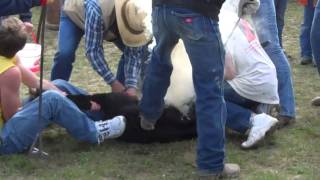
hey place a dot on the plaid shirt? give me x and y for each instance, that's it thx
(94, 30)
(132, 66)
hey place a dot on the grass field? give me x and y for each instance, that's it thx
(292, 153)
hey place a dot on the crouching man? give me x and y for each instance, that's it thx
(97, 21)
(20, 125)
(251, 78)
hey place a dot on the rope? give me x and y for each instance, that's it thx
(230, 35)
(40, 34)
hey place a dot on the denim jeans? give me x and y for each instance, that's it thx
(68, 41)
(315, 36)
(266, 27)
(305, 29)
(20, 131)
(238, 110)
(203, 44)
(281, 7)
(71, 89)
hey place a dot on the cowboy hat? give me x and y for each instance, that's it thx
(133, 22)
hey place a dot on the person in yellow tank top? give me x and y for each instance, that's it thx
(5, 64)
(21, 123)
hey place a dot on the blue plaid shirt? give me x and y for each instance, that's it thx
(94, 30)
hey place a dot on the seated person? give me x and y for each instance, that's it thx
(251, 79)
(20, 125)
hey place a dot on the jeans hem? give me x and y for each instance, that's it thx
(146, 118)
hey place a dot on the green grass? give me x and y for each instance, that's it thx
(291, 153)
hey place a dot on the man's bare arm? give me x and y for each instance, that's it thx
(229, 68)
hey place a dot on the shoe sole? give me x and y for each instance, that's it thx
(121, 131)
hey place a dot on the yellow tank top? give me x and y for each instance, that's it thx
(5, 64)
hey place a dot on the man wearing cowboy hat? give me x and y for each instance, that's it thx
(196, 23)
(99, 20)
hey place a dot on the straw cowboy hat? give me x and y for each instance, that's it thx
(133, 21)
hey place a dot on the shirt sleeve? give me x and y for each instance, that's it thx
(94, 29)
(133, 57)
(26, 17)
(10, 7)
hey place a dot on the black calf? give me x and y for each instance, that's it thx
(172, 125)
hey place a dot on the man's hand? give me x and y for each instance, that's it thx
(28, 27)
(248, 7)
(95, 106)
(116, 86)
(132, 92)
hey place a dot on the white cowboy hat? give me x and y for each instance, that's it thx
(133, 22)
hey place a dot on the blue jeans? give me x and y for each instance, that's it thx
(266, 27)
(281, 6)
(203, 44)
(20, 131)
(305, 29)
(315, 36)
(68, 41)
(71, 89)
(238, 110)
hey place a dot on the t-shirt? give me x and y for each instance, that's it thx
(256, 77)
(5, 64)
(256, 74)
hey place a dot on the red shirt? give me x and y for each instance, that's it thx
(305, 2)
